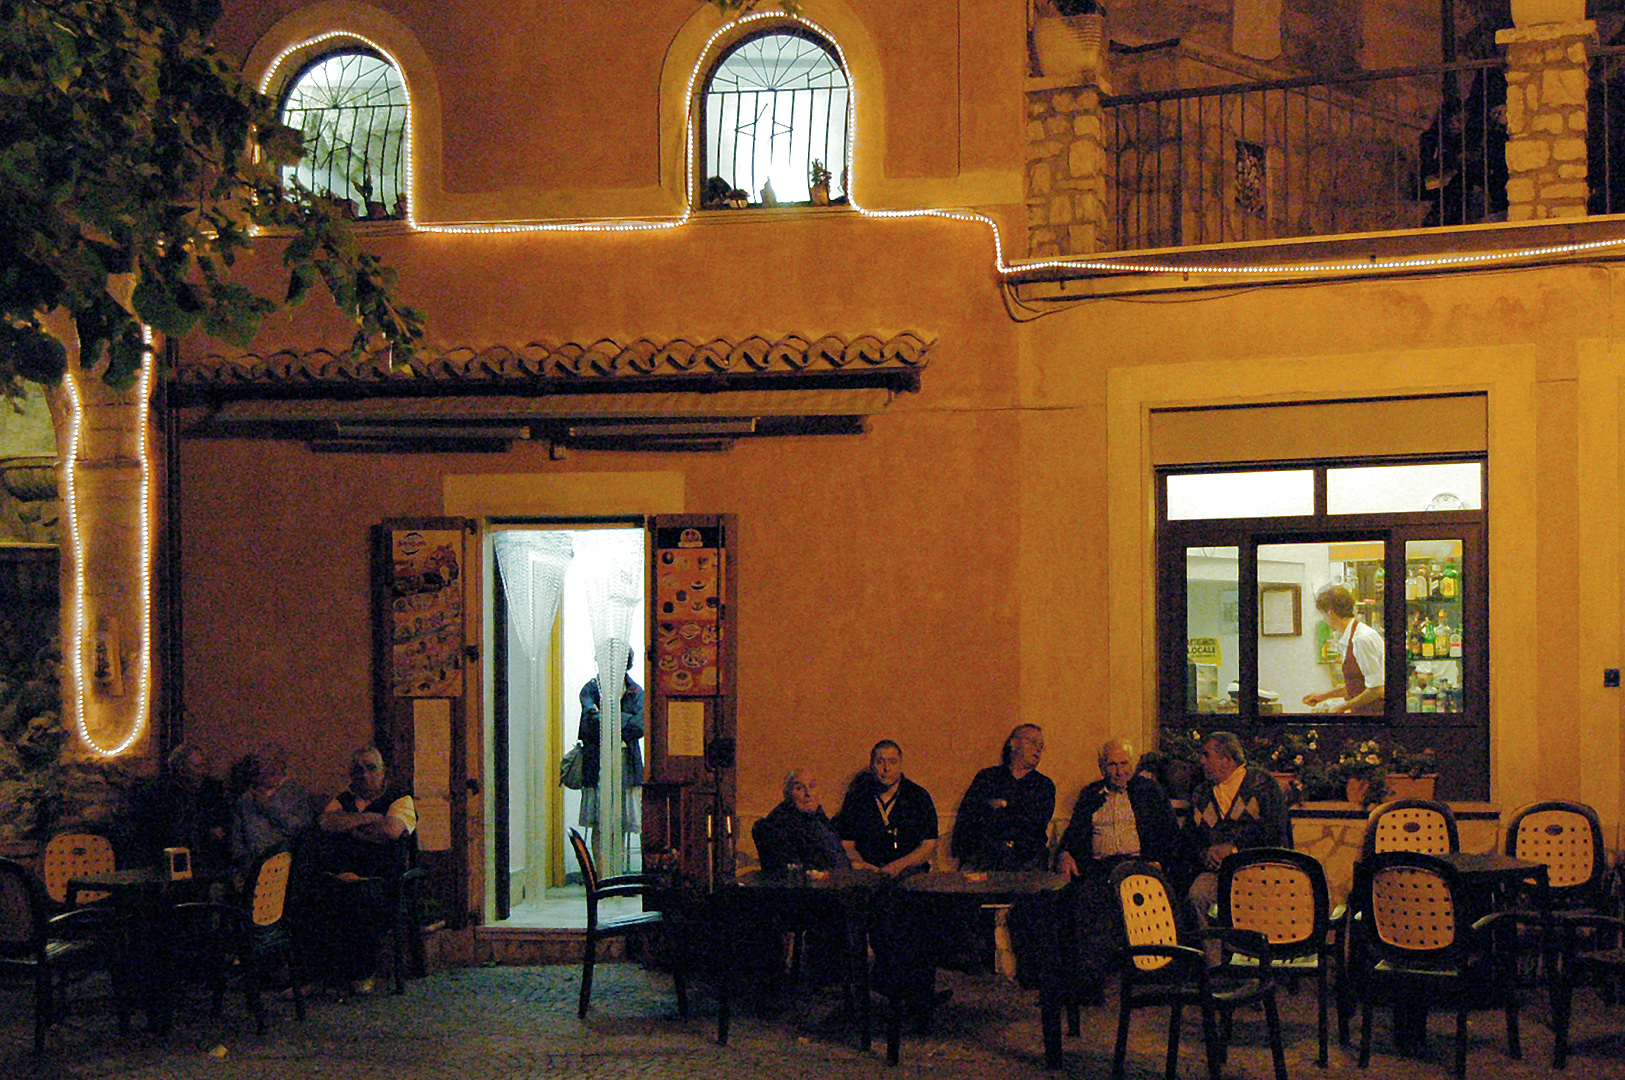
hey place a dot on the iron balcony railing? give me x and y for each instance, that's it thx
(1378, 151)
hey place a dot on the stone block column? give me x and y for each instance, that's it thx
(1548, 77)
(1066, 162)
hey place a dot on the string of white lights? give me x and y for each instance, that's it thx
(76, 544)
(1002, 266)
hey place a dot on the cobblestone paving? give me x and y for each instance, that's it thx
(520, 1022)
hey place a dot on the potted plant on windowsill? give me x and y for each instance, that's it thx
(1068, 36)
(1285, 756)
(818, 183)
(1373, 774)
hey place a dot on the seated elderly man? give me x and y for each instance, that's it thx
(797, 832)
(1123, 815)
(369, 829)
(1235, 806)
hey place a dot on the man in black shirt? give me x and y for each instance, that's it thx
(887, 821)
(1003, 821)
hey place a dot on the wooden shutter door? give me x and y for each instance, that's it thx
(421, 684)
(688, 797)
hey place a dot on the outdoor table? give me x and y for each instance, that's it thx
(145, 899)
(964, 888)
(787, 897)
(1489, 882)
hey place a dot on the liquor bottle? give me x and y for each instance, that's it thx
(1450, 586)
(1435, 581)
(1410, 583)
(1455, 641)
(1427, 640)
(1413, 638)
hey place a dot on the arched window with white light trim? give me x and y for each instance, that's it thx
(776, 121)
(351, 106)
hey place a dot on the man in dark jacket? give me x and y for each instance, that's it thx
(1003, 820)
(1120, 816)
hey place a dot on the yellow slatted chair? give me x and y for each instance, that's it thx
(1416, 951)
(1157, 970)
(1419, 825)
(70, 855)
(254, 933)
(1579, 942)
(1282, 895)
(1566, 838)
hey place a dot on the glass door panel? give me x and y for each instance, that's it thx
(1434, 626)
(1212, 614)
(1300, 653)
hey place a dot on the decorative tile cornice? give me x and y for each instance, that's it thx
(571, 365)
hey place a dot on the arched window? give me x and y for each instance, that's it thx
(776, 106)
(351, 107)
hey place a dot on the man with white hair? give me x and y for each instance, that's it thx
(797, 832)
(1122, 815)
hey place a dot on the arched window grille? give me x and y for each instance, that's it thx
(776, 103)
(351, 107)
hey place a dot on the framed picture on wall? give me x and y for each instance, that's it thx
(1280, 610)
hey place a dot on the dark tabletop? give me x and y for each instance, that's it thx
(1007, 883)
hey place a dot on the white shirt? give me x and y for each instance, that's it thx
(1115, 832)
(1368, 651)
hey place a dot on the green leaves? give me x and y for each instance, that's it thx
(125, 149)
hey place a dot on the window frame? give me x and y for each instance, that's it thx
(701, 148)
(402, 168)
(1468, 728)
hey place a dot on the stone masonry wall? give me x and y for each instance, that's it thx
(1066, 190)
(1547, 80)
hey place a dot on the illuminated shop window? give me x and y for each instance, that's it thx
(775, 118)
(1344, 597)
(351, 107)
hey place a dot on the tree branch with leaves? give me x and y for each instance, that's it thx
(129, 147)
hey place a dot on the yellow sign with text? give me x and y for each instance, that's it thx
(1202, 650)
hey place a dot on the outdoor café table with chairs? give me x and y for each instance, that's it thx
(145, 900)
(864, 909)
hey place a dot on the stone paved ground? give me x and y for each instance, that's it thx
(517, 1022)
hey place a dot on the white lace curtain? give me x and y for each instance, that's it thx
(533, 565)
(613, 564)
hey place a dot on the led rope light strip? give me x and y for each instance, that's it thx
(1001, 266)
(76, 543)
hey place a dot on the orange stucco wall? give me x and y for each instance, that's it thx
(978, 557)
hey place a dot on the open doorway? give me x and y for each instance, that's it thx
(568, 661)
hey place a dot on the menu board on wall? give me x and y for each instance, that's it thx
(688, 627)
(426, 597)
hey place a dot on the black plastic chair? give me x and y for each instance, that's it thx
(647, 922)
(1414, 950)
(250, 936)
(45, 949)
(1593, 952)
(1159, 971)
(1282, 895)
